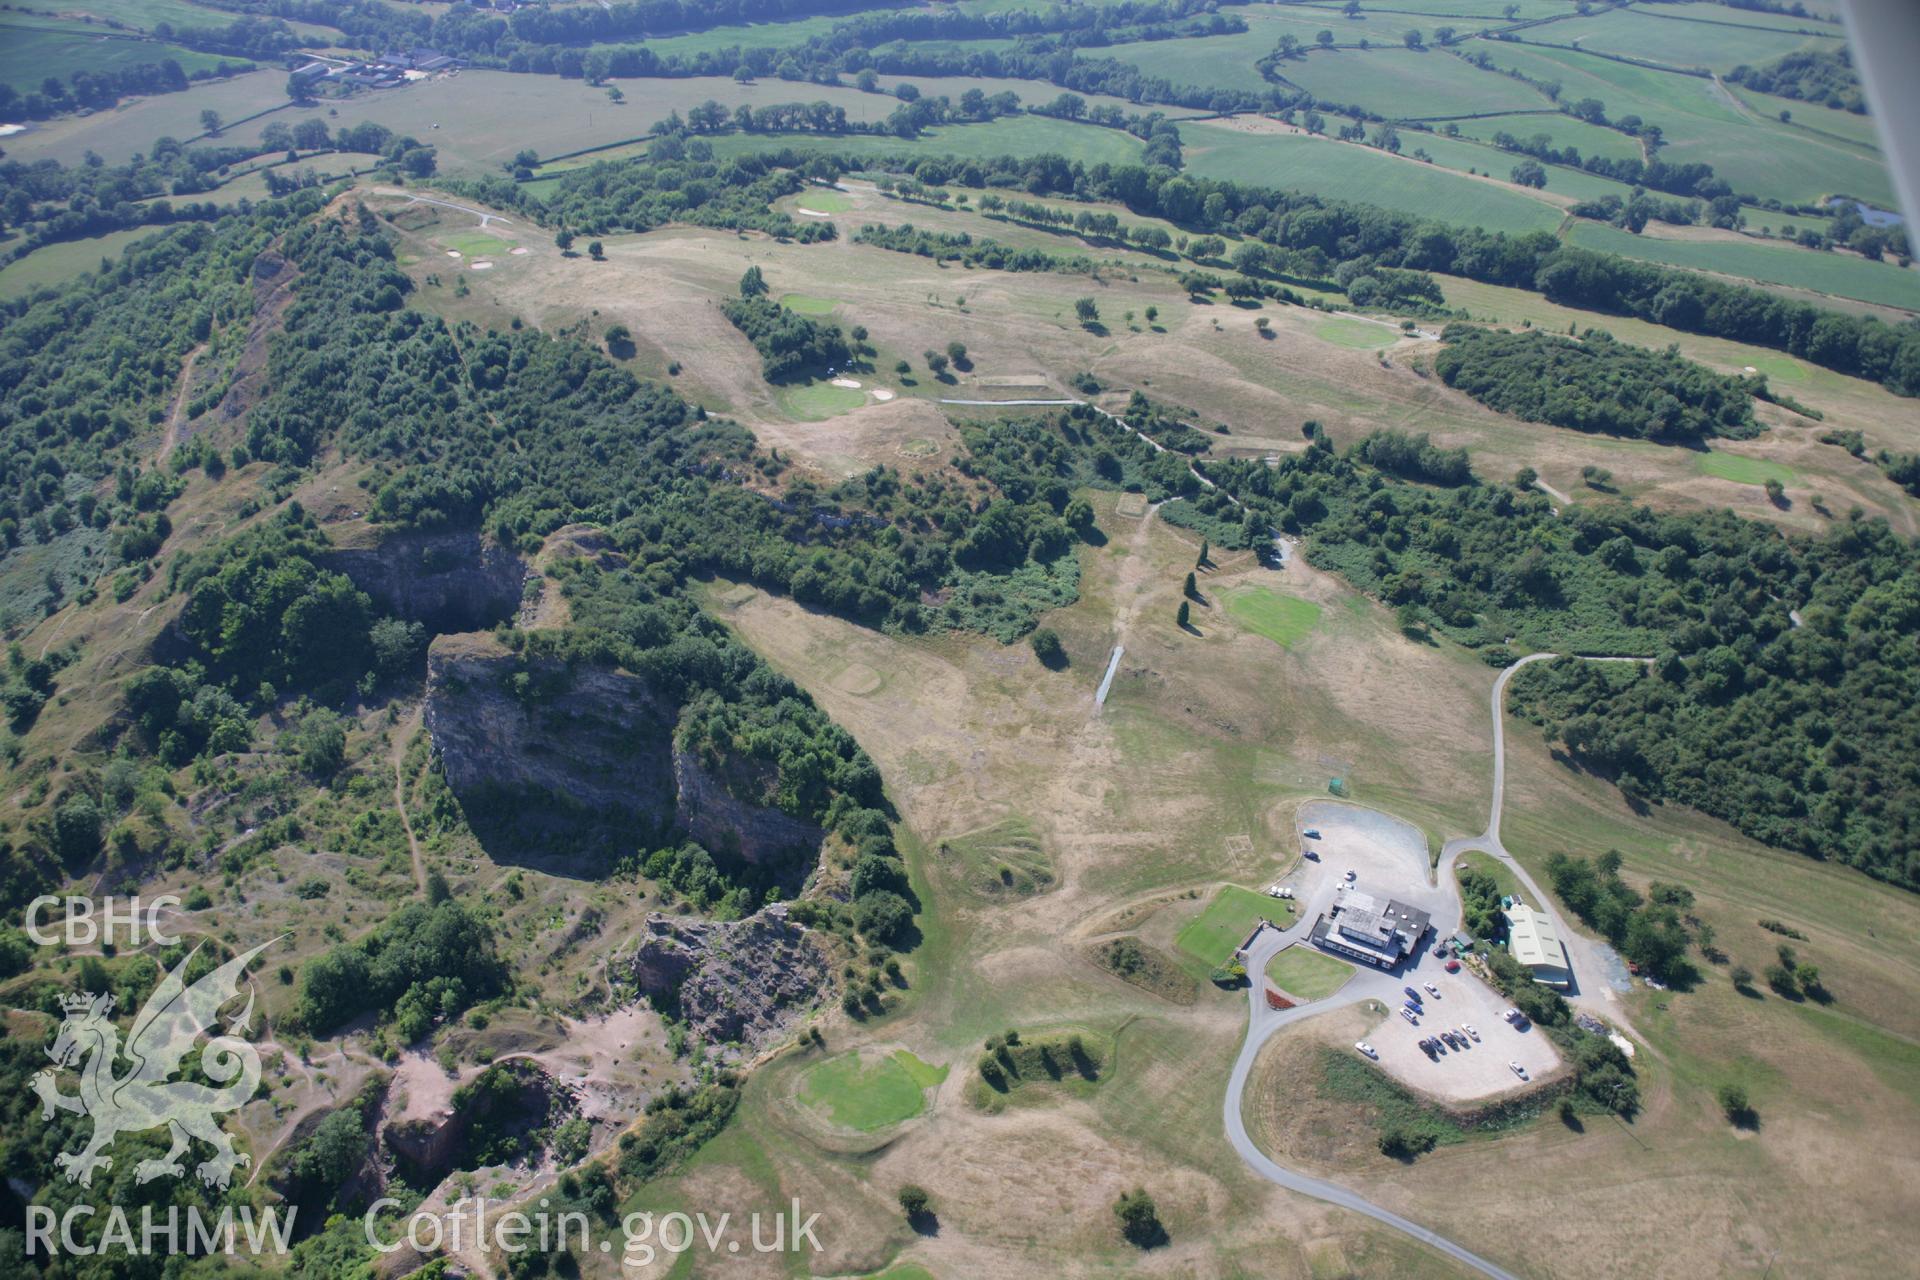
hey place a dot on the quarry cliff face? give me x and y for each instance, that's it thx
(588, 740)
(451, 580)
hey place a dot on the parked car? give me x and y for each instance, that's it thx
(1512, 1015)
(1453, 966)
(1519, 1070)
(1409, 1017)
(1276, 891)
(1431, 989)
(1311, 855)
(1473, 1031)
(1351, 877)
(1411, 994)
(1365, 1048)
(1311, 833)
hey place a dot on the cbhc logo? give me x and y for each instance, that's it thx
(83, 926)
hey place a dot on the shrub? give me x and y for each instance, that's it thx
(1139, 1219)
(1047, 647)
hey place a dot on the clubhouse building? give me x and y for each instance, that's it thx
(1362, 927)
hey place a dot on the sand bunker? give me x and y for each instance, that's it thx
(517, 252)
(453, 253)
(882, 394)
(483, 266)
(812, 213)
(846, 382)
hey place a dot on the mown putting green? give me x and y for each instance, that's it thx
(1282, 619)
(869, 1094)
(1742, 470)
(1781, 368)
(1356, 334)
(808, 305)
(821, 201)
(1213, 935)
(1311, 975)
(476, 244)
(821, 400)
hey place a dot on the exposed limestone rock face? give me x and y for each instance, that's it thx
(594, 738)
(730, 827)
(448, 581)
(745, 981)
(592, 743)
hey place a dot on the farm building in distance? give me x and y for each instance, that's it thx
(1535, 944)
(1364, 928)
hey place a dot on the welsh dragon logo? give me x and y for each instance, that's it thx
(146, 1096)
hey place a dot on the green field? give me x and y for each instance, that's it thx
(808, 305)
(817, 400)
(1302, 971)
(1284, 620)
(867, 1094)
(1401, 82)
(1467, 155)
(1842, 274)
(147, 14)
(1562, 131)
(1755, 154)
(1744, 470)
(1341, 171)
(31, 51)
(58, 263)
(820, 200)
(1720, 45)
(1014, 135)
(1214, 62)
(1212, 936)
(1503, 875)
(753, 35)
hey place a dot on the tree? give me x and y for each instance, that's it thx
(1741, 977)
(563, 238)
(1047, 647)
(1206, 548)
(1139, 1219)
(334, 1153)
(915, 1201)
(210, 122)
(619, 341)
(1414, 40)
(1530, 173)
(1190, 589)
(615, 95)
(1734, 1105)
(596, 251)
(936, 362)
(753, 284)
(1182, 618)
(957, 352)
(1324, 39)
(1088, 312)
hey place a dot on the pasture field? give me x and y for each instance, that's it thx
(752, 35)
(1563, 131)
(1681, 41)
(134, 126)
(1213, 934)
(30, 51)
(1844, 274)
(1308, 973)
(820, 200)
(808, 305)
(1829, 123)
(1285, 620)
(1017, 135)
(1410, 84)
(1030, 92)
(1465, 155)
(57, 263)
(1219, 62)
(1703, 123)
(1340, 171)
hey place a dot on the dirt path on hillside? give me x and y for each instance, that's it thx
(405, 731)
(177, 417)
